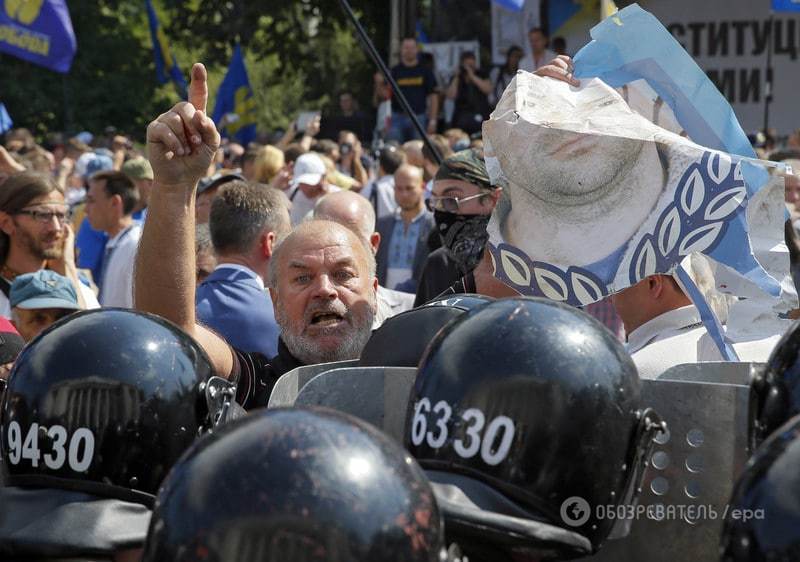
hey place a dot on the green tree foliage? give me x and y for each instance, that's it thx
(299, 54)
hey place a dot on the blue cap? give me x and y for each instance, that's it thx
(99, 163)
(43, 289)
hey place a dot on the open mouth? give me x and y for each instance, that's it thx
(323, 319)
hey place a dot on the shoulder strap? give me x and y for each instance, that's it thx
(5, 286)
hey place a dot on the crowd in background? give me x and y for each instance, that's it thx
(98, 185)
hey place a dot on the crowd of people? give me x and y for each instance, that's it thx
(269, 257)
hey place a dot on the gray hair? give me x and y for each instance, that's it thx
(241, 211)
(309, 227)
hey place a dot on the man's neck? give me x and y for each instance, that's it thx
(120, 225)
(410, 64)
(21, 261)
(258, 267)
(409, 215)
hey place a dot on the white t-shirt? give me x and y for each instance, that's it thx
(678, 337)
(88, 297)
(302, 206)
(527, 62)
(116, 288)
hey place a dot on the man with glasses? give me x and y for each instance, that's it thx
(404, 233)
(110, 202)
(35, 234)
(462, 201)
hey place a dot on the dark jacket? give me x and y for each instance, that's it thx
(385, 226)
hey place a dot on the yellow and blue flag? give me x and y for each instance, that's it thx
(5, 120)
(38, 31)
(786, 5)
(166, 65)
(235, 108)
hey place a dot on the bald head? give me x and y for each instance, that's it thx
(409, 189)
(349, 209)
(409, 172)
(413, 150)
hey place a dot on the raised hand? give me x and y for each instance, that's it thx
(182, 142)
(560, 68)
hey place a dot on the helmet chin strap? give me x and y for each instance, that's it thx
(650, 426)
(220, 395)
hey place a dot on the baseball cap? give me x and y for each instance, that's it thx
(11, 343)
(308, 169)
(138, 169)
(90, 163)
(217, 180)
(468, 166)
(43, 289)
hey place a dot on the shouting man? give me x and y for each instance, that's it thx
(321, 277)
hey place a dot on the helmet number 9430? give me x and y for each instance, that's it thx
(76, 450)
(493, 444)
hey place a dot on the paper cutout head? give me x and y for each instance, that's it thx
(597, 197)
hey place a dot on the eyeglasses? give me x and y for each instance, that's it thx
(448, 204)
(45, 217)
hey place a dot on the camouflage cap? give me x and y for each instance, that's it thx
(468, 166)
(138, 169)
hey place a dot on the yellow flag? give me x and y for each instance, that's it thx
(607, 8)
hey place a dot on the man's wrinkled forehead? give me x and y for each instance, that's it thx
(333, 245)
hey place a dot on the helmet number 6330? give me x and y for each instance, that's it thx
(493, 444)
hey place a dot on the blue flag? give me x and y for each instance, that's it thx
(166, 65)
(5, 120)
(786, 5)
(235, 108)
(38, 31)
(658, 58)
(513, 5)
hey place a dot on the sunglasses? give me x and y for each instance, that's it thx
(449, 204)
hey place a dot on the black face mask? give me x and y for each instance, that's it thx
(464, 236)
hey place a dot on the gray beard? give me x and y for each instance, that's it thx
(306, 350)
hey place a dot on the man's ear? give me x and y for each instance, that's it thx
(7, 223)
(267, 244)
(655, 285)
(116, 201)
(375, 241)
(495, 194)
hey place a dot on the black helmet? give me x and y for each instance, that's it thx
(295, 484)
(104, 402)
(762, 520)
(775, 389)
(526, 416)
(402, 339)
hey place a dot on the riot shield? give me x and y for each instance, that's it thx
(378, 395)
(713, 372)
(289, 384)
(691, 474)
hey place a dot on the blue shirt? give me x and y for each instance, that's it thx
(402, 249)
(91, 245)
(232, 301)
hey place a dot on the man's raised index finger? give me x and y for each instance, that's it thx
(198, 88)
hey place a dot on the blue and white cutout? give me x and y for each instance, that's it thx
(706, 213)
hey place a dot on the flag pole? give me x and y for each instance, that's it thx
(373, 53)
(768, 87)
